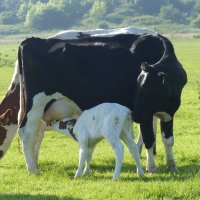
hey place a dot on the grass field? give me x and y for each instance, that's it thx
(59, 155)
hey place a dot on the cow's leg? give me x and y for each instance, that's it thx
(149, 141)
(38, 141)
(133, 149)
(29, 125)
(154, 131)
(88, 159)
(140, 140)
(27, 137)
(168, 140)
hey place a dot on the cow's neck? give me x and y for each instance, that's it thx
(11, 101)
(12, 97)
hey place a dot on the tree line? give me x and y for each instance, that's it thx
(55, 14)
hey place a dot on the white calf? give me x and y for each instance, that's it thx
(108, 120)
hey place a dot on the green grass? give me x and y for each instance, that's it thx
(59, 155)
(8, 54)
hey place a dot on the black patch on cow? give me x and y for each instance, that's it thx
(64, 125)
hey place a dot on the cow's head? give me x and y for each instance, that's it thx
(7, 131)
(153, 92)
(159, 87)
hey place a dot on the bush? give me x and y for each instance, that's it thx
(8, 18)
(103, 24)
(196, 22)
(46, 18)
(145, 20)
(173, 14)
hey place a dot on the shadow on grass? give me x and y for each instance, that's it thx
(34, 197)
(68, 170)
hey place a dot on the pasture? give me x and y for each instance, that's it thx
(59, 155)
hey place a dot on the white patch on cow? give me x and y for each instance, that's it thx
(11, 129)
(29, 131)
(99, 44)
(150, 166)
(168, 144)
(163, 116)
(74, 34)
(61, 108)
(144, 77)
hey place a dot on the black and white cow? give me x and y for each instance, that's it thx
(89, 74)
(8, 123)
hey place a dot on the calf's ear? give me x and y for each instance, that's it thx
(162, 77)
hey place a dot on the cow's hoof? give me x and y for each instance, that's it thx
(33, 172)
(171, 166)
(87, 171)
(140, 172)
(152, 169)
(115, 178)
(78, 173)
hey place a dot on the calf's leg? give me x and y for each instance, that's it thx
(83, 153)
(119, 154)
(133, 149)
(88, 159)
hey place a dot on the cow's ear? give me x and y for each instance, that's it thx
(5, 118)
(146, 67)
(162, 77)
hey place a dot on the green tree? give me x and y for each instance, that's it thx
(196, 22)
(147, 7)
(99, 9)
(171, 13)
(44, 17)
(23, 10)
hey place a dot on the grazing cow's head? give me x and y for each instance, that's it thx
(159, 87)
(5, 121)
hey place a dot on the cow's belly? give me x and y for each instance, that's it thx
(60, 109)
